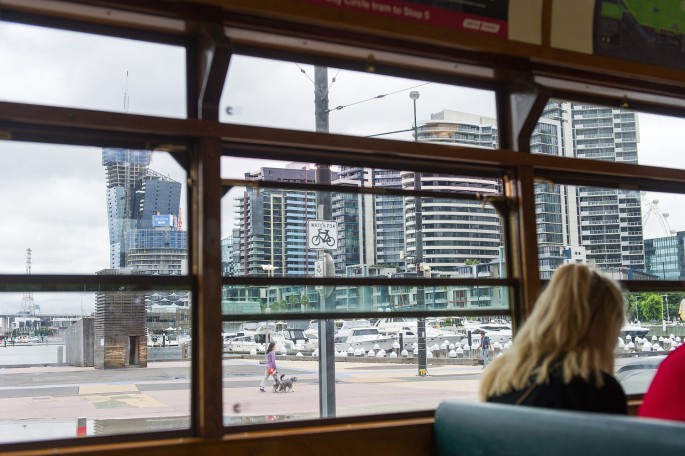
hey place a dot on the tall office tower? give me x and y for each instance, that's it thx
(665, 256)
(124, 168)
(139, 198)
(156, 195)
(603, 225)
(271, 225)
(453, 231)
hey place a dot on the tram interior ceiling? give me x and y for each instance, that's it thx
(369, 186)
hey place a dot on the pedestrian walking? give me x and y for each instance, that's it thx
(485, 346)
(270, 365)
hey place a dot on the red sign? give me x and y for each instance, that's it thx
(481, 16)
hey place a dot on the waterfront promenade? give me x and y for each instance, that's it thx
(45, 402)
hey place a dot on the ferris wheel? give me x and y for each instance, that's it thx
(654, 211)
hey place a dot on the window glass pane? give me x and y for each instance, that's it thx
(627, 234)
(80, 70)
(278, 232)
(66, 358)
(580, 130)
(664, 228)
(654, 329)
(373, 375)
(272, 93)
(70, 209)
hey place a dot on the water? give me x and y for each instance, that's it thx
(29, 355)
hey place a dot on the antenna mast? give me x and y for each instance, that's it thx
(126, 93)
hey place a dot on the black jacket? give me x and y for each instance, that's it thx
(579, 395)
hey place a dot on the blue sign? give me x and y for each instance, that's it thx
(162, 220)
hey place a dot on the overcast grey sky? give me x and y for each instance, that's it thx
(52, 198)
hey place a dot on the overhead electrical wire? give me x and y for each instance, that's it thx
(377, 97)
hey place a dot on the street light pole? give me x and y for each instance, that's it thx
(418, 230)
(414, 95)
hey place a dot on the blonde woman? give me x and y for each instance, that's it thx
(563, 356)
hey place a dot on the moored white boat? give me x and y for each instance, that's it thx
(408, 329)
(242, 344)
(364, 337)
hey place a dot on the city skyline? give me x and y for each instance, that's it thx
(594, 225)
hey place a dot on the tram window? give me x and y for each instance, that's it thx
(266, 234)
(279, 94)
(93, 211)
(80, 70)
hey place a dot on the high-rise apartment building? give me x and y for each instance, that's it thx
(270, 227)
(355, 216)
(453, 231)
(389, 210)
(604, 223)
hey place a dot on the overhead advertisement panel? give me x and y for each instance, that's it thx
(518, 20)
(647, 32)
(651, 32)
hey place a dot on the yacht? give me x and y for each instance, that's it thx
(301, 340)
(406, 329)
(242, 344)
(366, 337)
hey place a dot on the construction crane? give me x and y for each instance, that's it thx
(27, 305)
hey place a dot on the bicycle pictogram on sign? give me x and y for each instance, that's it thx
(323, 236)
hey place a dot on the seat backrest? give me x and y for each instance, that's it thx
(496, 429)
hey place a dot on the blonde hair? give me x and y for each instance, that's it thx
(576, 321)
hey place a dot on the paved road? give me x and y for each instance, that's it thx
(44, 402)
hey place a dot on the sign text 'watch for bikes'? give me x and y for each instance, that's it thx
(322, 234)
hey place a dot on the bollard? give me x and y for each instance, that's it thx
(60, 355)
